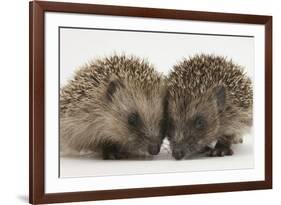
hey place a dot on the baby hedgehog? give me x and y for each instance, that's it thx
(210, 99)
(113, 106)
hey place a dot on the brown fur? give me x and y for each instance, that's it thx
(98, 105)
(209, 99)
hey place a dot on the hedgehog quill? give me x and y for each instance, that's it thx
(113, 106)
(210, 99)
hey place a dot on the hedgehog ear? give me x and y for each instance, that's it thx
(113, 85)
(219, 93)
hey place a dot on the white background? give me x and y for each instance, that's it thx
(163, 50)
(14, 101)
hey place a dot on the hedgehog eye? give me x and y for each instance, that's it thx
(133, 119)
(199, 123)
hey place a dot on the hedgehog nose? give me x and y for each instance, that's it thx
(154, 149)
(178, 154)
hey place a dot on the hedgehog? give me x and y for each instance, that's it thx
(210, 100)
(113, 106)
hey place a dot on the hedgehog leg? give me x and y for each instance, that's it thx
(222, 147)
(113, 151)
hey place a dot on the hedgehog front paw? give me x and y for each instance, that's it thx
(220, 150)
(115, 155)
(112, 152)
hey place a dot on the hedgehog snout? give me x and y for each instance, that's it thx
(154, 149)
(178, 153)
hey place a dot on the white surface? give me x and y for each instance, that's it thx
(89, 165)
(55, 184)
(14, 112)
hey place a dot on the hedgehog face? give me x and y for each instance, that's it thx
(134, 117)
(194, 123)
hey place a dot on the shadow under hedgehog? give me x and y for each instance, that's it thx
(113, 106)
(210, 99)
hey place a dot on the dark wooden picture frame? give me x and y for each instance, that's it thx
(37, 96)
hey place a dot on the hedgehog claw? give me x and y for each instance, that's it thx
(220, 152)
